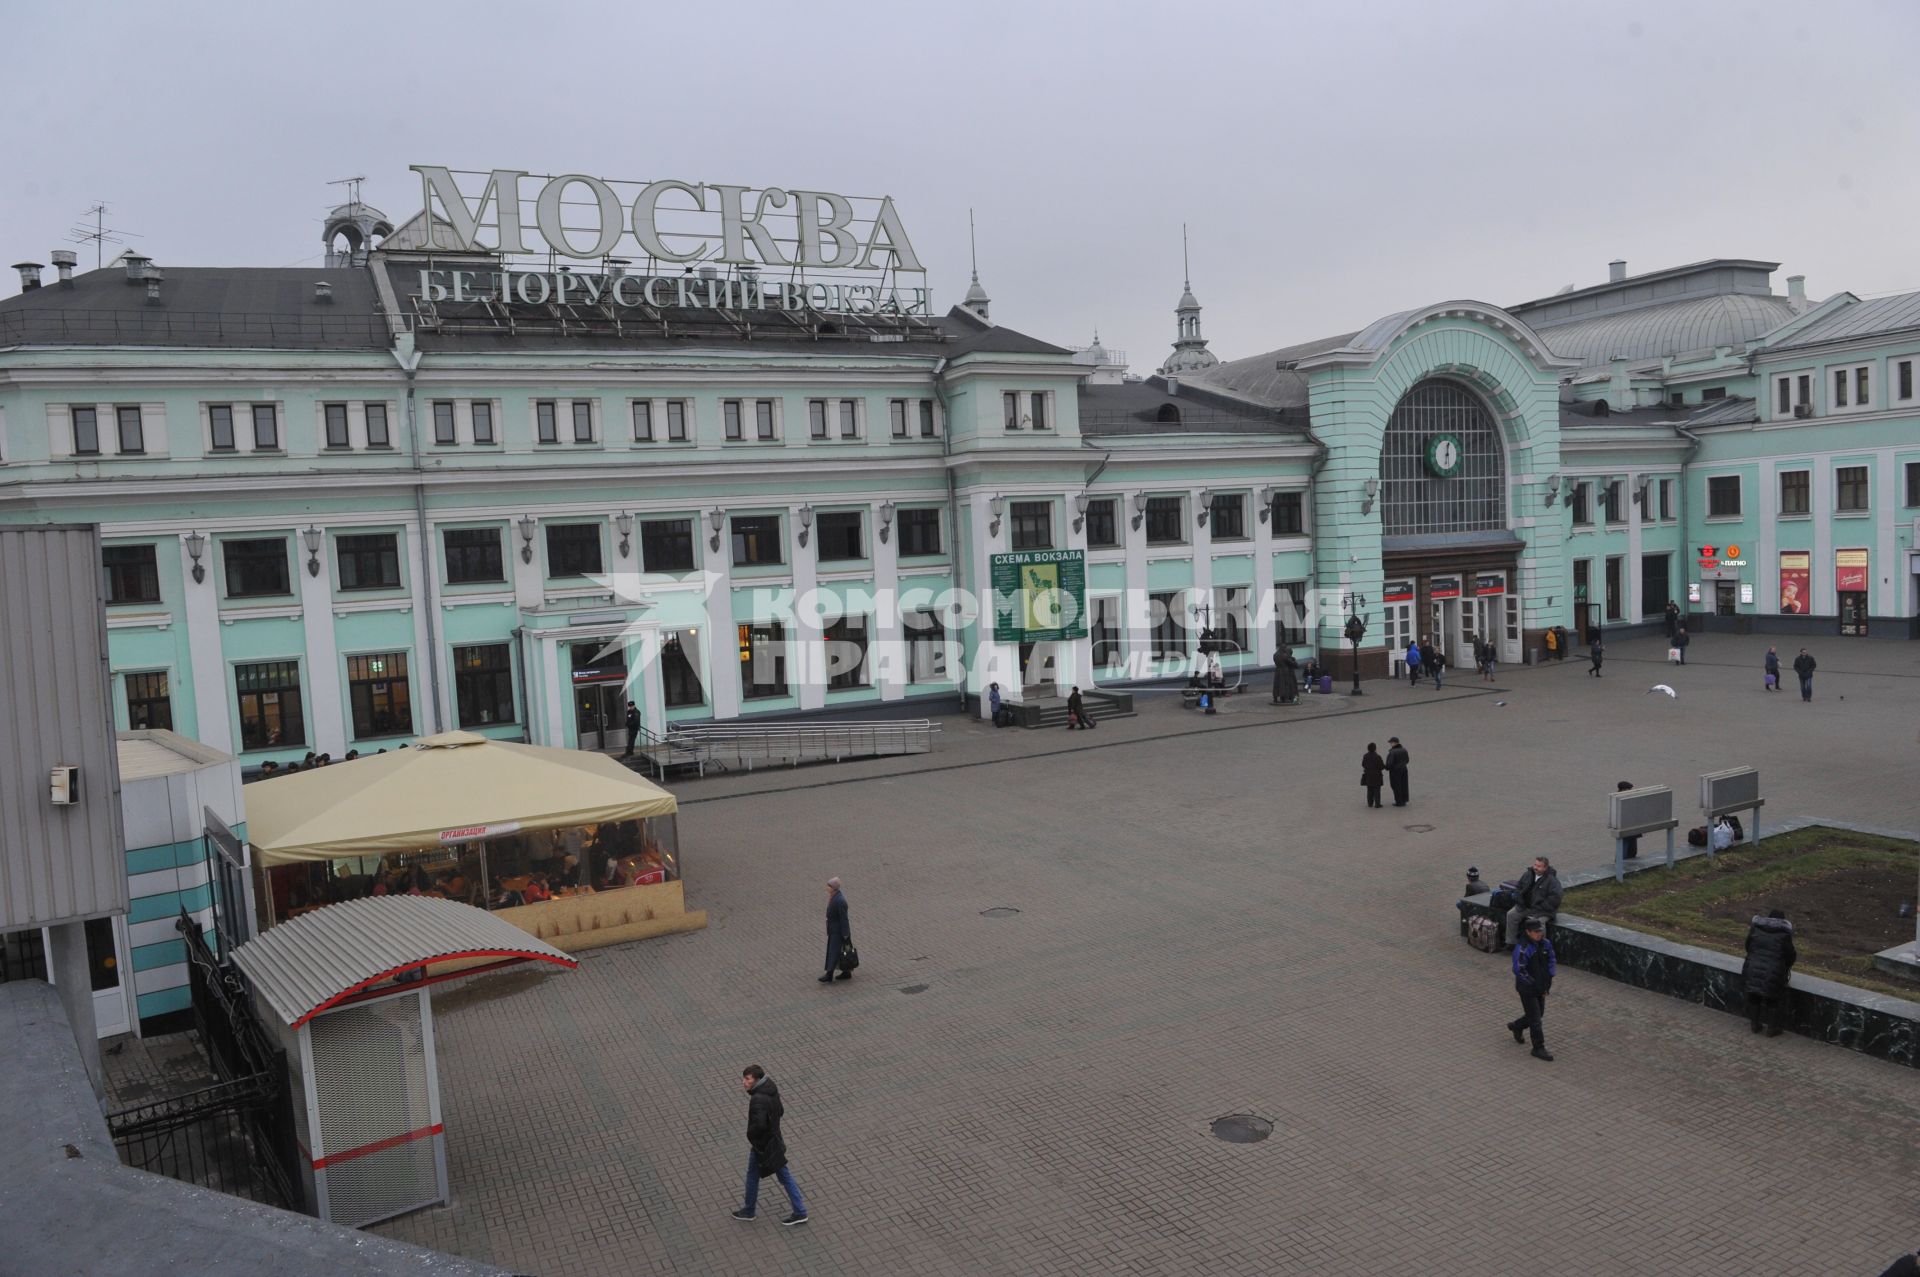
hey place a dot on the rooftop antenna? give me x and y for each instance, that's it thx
(99, 234)
(1186, 270)
(973, 249)
(353, 186)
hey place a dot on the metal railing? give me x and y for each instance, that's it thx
(745, 744)
(207, 1137)
(664, 752)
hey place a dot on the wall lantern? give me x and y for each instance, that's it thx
(624, 522)
(999, 508)
(196, 546)
(806, 522)
(1206, 506)
(1373, 491)
(716, 519)
(1553, 488)
(311, 539)
(1139, 509)
(1266, 503)
(1080, 504)
(886, 520)
(528, 526)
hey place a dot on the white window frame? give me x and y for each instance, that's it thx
(1795, 396)
(1706, 494)
(1893, 380)
(1843, 388)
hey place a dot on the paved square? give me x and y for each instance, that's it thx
(1210, 922)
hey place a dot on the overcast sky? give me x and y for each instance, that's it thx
(1335, 162)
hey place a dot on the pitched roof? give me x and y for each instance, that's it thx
(1270, 377)
(1898, 313)
(1144, 408)
(202, 306)
(1672, 328)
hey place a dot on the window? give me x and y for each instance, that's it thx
(1227, 517)
(132, 437)
(1783, 392)
(1675, 398)
(1033, 525)
(266, 428)
(1903, 379)
(929, 428)
(679, 678)
(1666, 500)
(545, 424)
(377, 693)
(846, 641)
(849, 419)
(86, 432)
(1840, 381)
(482, 414)
(1164, 520)
(1723, 497)
(666, 545)
(1913, 483)
(756, 539)
(1169, 637)
(676, 421)
(1614, 601)
(839, 535)
(1289, 514)
(269, 698)
(256, 568)
(220, 423)
(583, 421)
(763, 419)
(1103, 524)
(133, 575)
(1108, 648)
(1610, 501)
(149, 707)
(1850, 488)
(1010, 405)
(1852, 387)
(897, 413)
(368, 561)
(926, 647)
(473, 555)
(642, 421)
(763, 653)
(377, 436)
(1038, 402)
(443, 430)
(573, 549)
(1861, 379)
(1582, 512)
(336, 425)
(1795, 491)
(730, 413)
(483, 684)
(1290, 613)
(817, 418)
(920, 531)
(1711, 393)
(1793, 395)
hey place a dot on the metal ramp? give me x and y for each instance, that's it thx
(749, 745)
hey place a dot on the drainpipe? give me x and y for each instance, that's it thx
(953, 504)
(1693, 446)
(409, 360)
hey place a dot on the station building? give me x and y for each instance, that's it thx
(351, 505)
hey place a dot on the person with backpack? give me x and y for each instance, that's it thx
(1533, 972)
(1767, 970)
(1804, 665)
(766, 1149)
(1772, 669)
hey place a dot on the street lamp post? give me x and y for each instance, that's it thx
(1356, 630)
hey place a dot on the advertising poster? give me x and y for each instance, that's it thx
(1850, 571)
(1796, 582)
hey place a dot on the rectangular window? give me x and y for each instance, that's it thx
(443, 429)
(266, 428)
(1615, 602)
(1290, 613)
(1166, 521)
(1289, 514)
(377, 692)
(132, 437)
(846, 641)
(1103, 524)
(149, 705)
(1582, 512)
(763, 657)
(1723, 497)
(1712, 393)
(256, 568)
(336, 423)
(220, 422)
(1903, 379)
(676, 421)
(1666, 500)
(763, 419)
(1108, 648)
(1610, 501)
(482, 413)
(1850, 488)
(679, 672)
(377, 436)
(919, 532)
(1862, 379)
(1840, 381)
(573, 549)
(817, 418)
(1010, 405)
(1795, 491)
(1033, 525)
(86, 432)
(1803, 388)
(1169, 637)
(929, 429)
(926, 648)
(269, 700)
(1227, 517)
(483, 684)
(849, 419)
(583, 421)
(642, 421)
(1038, 403)
(839, 535)
(730, 413)
(473, 556)
(368, 561)
(897, 414)
(133, 573)
(666, 545)
(546, 421)
(1913, 483)
(756, 539)
(1783, 392)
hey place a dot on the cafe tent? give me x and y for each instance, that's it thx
(453, 787)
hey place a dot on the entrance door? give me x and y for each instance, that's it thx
(1481, 625)
(600, 716)
(1399, 633)
(1510, 634)
(1853, 612)
(1726, 596)
(1654, 585)
(23, 956)
(1445, 628)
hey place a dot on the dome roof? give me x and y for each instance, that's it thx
(1673, 328)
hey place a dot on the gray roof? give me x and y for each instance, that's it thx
(1268, 377)
(306, 965)
(1898, 313)
(1674, 328)
(201, 306)
(1733, 410)
(1138, 408)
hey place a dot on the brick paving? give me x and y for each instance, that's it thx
(1210, 922)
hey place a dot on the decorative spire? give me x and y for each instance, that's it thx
(976, 299)
(1190, 353)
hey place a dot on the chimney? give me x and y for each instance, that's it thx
(29, 275)
(153, 285)
(136, 267)
(1797, 293)
(1619, 385)
(322, 291)
(1173, 385)
(1616, 270)
(63, 261)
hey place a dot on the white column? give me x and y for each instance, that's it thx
(1136, 615)
(1631, 604)
(809, 665)
(1077, 657)
(558, 691)
(424, 661)
(1888, 565)
(653, 692)
(1764, 562)
(326, 719)
(213, 721)
(1266, 642)
(723, 657)
(1826, 599)
(529, 590)
(1202, 540)
(890, 629)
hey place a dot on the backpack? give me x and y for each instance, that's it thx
(1697, 836)
(1483, 933)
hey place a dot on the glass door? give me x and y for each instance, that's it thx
(1399, 622)
(1853, 612)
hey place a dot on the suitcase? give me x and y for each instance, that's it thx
(1483, 933)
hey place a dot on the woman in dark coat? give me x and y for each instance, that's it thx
(1373, 772)
(1286, 679)
(1769, 965)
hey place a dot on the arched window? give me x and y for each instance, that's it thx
(1168, 414)
(1419, 493)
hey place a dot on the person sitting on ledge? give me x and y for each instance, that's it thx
(1537, 894)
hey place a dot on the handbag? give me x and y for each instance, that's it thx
(849, 956)
(1673, 656)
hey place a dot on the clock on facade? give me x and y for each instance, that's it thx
(1443, 455)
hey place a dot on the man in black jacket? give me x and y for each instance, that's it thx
(1533, 972)
(1769, 965)
(839, 931)
(1397, 760)
(1537, 894)
(633, 728)
(767, 1151)
(1803, 665)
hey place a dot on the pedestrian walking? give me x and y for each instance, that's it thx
(1077, 711)
(1680, 641)
(1413, 663)
(1804, 665)
(1533, 971)
(1286, 679)
(633, 728)
(1493, 659)
(1373, 770)
(1673, 618)
(1597, 652)
(1772, 666)
(839, 932)
(1767, 969)
(1397, 760)
(766, 1149)
(1438, 661)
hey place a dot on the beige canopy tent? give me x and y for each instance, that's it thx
(451, 788)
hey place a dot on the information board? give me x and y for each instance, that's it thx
(1039, 596)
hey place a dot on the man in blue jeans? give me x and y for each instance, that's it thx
(768, 1152)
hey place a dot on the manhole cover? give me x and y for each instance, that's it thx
(1241, 1128)
(1418, 829)
(999, 911)
(914, 988)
